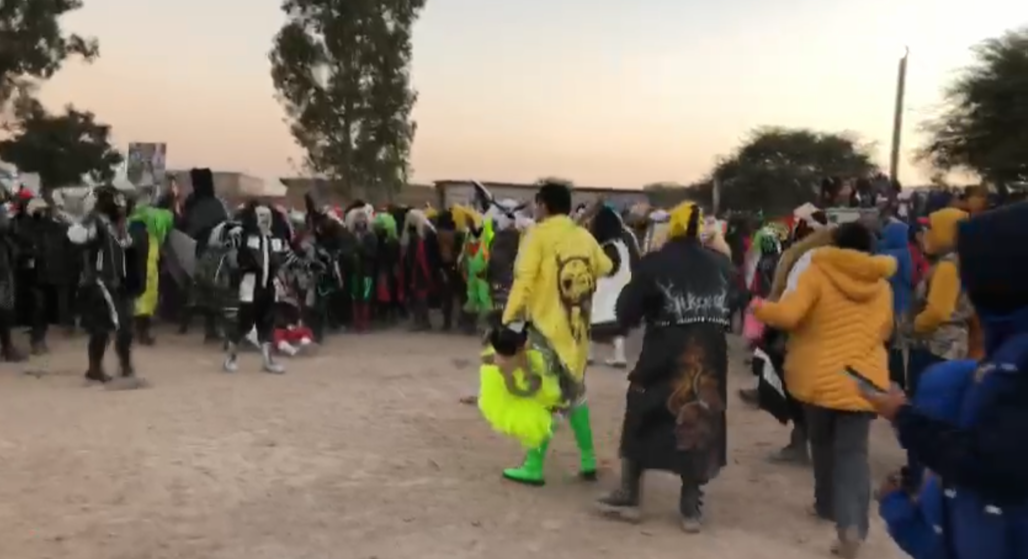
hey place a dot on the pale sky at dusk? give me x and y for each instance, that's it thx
(603, 92)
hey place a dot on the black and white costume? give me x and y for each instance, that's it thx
(109, 282)
(262, 250)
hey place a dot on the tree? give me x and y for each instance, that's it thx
(61, 148)
(983, 126)
(668, 194)
(34, 45)
(778, 169)
(555, 180)
(342, 72)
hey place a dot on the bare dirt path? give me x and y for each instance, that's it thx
(362, 451)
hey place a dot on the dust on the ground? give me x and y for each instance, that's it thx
(361, 451)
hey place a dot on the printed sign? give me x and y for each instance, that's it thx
(145, 165)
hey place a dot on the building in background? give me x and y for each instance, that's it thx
(451, 192)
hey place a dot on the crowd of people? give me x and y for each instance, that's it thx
(920, 320)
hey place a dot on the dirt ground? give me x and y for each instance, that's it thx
(361, 451)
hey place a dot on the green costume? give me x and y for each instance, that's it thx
(158, 223)
(475, 260)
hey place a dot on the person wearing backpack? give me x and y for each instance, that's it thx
(980, 456)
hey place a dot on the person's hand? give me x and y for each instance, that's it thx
(889, 403)
(756, 303)
(509, 363)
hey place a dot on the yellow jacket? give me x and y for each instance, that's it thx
(944, 284)
(839, 315)
(554, 280)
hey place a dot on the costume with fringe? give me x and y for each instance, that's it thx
(362, 273)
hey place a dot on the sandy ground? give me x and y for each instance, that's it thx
(359, 452)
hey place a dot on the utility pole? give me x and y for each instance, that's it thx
(897, 118)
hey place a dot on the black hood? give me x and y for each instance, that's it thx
(993, 252)
(606, 225)
(202, 181)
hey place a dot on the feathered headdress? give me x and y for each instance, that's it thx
(418, 221)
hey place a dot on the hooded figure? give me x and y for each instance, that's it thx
(609, 231)
(362, 275)
(941, 311)
(156, 224)
(977, 453)
(110, 281)
(388, 291)
(675, 404)
(449, 240)
(839, 317)
(421, 265)
(894, 243)
(261, 253)
(202, 211)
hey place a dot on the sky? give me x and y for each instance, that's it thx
(601, 92)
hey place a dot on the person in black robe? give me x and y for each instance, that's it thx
(110, 281)
(675, 410)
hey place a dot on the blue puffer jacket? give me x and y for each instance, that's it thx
(894, 243)
(981, 458)
(915, 524)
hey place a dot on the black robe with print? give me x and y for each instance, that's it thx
(675, 411)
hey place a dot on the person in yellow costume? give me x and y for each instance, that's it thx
(150, 226)
(942, 312)
(554, 279)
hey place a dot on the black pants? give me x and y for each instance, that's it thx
(6, 323)
(106, 312)
(258, 313)
(39, 315)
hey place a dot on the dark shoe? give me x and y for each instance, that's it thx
(94, 375)
(143, 335)
(623, 503)
(618, 505)
(13, 355)
(796, 452)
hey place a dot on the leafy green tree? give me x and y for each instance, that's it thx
(778, 169)
(669, 194)
(32, 44)
(983, 126)
(342, 72)
(61, 148)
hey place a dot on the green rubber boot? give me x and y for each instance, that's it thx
(531, 471)
(579, 420)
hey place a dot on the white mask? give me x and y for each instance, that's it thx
(263, 215)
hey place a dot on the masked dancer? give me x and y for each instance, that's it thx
(109, 281)
(362, 276)
(261, 251)
(675, 406)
